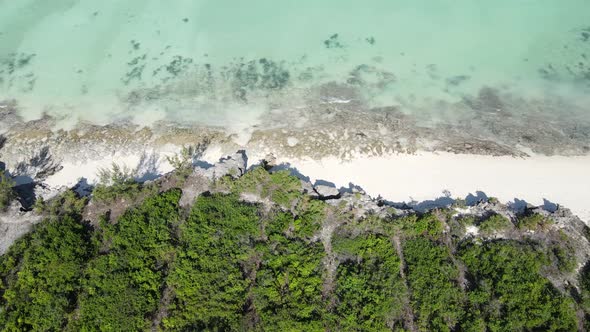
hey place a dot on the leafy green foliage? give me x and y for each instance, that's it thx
(427, 225)
(533, 221)
(288, 290)
(281, 187)
(232, 266)
(122, 286)
(116, 182)
(369, 289)
(509, 294)
(210, 276)
(494, 223)
(584, 279)
(562, 252)
(309, 218)
(41, 276)
(565, 261)
(183, 161)
(6, 192)
(66, 204)
(432, 276)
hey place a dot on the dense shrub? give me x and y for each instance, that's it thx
(288, 291)
(121, 287)
(115, 182)
(299, 264)
(210, 274)
(533, 221)
(509, 294)
(437, 300)
(6, 192)
(494, 223)
(41, 276)
(369, 291)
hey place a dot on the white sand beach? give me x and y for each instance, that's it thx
(424, 176)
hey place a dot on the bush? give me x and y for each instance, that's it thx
(369, 291)
(281, 187)
(210, 275)
(115, 182)
(584, 279)
(437, 300)
(235, 266)
(68, 203)
(41, 276)
(288, 287)
(122, 287)
(494, 223)
(426, 225)
(6, 192)
(183, 162)
(533, 221)
(509, 292)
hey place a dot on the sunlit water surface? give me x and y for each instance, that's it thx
(218, 62)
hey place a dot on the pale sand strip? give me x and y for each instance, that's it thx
(418, 177)
(424, 176)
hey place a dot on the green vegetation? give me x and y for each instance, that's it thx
(217, 243)
(369, 291)
(66, 204)
(280, 187)
(533, 221)
(494, 223)
(288, 291)
(116, 182)
(436, 297)
(584, 280)
(41, 276)
(182, 162)
(287, 263)
(427, 225)
(509, 293)
(6, 192)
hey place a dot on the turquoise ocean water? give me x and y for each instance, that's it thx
(217, 61)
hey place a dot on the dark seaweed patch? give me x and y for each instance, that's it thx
(333, 42)
(488, 100)
(262, 74)
(135, 45)
(12, 71)
(137, 66)
(178, 65)
(456, 80)
(367, 75)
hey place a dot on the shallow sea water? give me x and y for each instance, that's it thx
(222, 62)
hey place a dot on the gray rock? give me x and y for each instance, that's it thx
(327, 192)
(15, 223)
(194, 186)
(234, 166)
(307, 188)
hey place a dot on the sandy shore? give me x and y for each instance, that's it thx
(426, 176)
(420, 177)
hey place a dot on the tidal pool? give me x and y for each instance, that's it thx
(222, 62)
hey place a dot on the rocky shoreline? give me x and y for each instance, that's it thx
(331, 120)
(20, 218)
